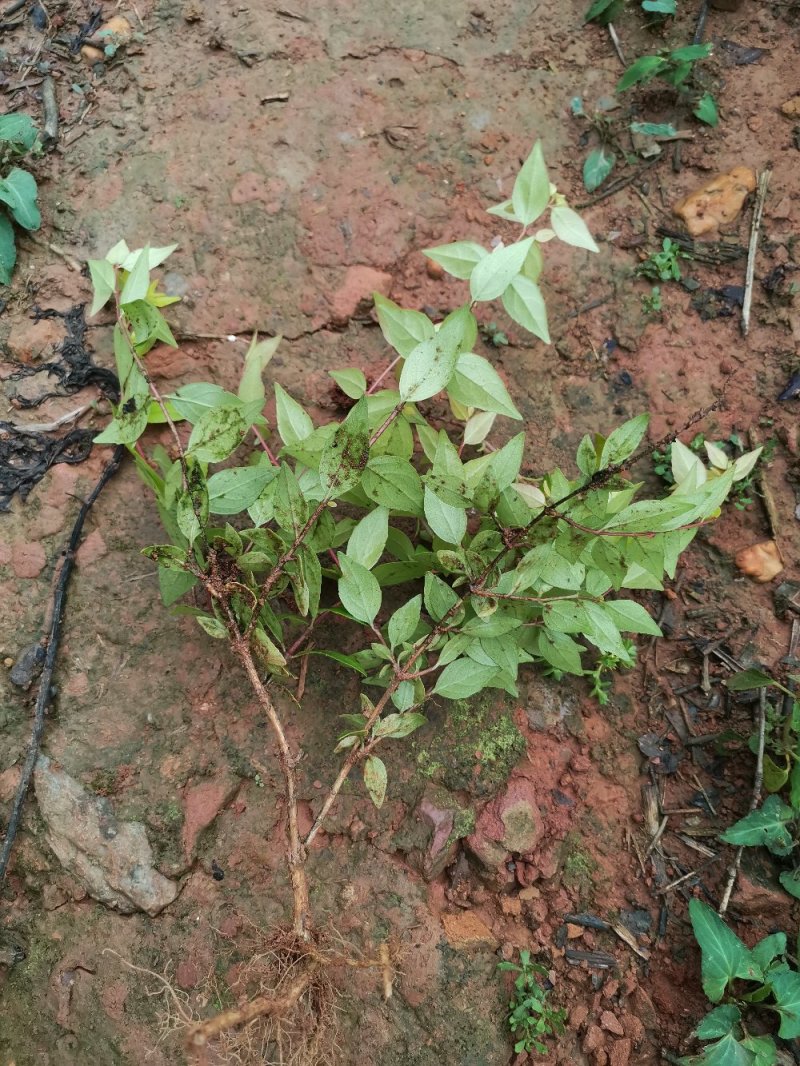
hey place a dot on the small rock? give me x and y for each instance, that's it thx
(31, 341)
(187, 976)
(611, 1023)
(578, 1016)
(574, 931)
(449, 822)
(762, 562)
(28, 665)
(791, 108)
(467, 930)
(434, 270)
(91, 54)
(511, 905)
(633, 1027)
(360, 282)
(510, 823)
(620, 1053)
(716, 203)
(28, 559)
(754, 899)
(112, 859)
(594, 1039)
(202, 803)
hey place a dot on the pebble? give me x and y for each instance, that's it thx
(434, 270)
(611, 1023)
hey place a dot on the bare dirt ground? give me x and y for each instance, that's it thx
(286, 151)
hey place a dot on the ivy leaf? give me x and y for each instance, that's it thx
(571, 229)
(531, 192)
(368, 538)
(476, 383)
(217, 433)
(403, 623)
(524, 302)
(18, 190)
(597, 166)
(786, 989)
(8, 250)
(790, 879)
(458, 259)
(768, 949)
(430, 365)
(375, 779)
(748, 679)
(359, 590)
(258, 355)
(706, 110)
(598, 8)
(294, 424)
(394, 483)
(724, 956)
(726, 1052)
(103, 283)
(19, 130)
(643, 70)
(346, 454)
(403, 329)
(765, 826)
(718, 1022)
(492, 276)
(462, 678)
(138, 280)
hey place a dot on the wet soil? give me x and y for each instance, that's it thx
(400, 125)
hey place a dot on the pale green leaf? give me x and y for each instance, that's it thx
(352, 382)
(430, 365)
(786, 989)
(449, 523)
(368, 539)
(217, 433)
(212, 626)
(346, 454)
(294, 424)
(394, 483)
(19, 193)
(234, 490)
(458, 259)
(478, 427)
(766, 826)
(492, 276)
(375, 779)
(475, 383)
(251, 385)
(531, 192)
(623, 442)
(103, 283)
(463, 678)
(403, 623)
(138, 281)
(570, 228)
(524, 302)
(403, 329)
(359, 590)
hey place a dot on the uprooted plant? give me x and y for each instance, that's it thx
(492, 566)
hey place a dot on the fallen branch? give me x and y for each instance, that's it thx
(758, 210)
(733, 869)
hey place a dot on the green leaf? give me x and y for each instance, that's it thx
(394, 483)
(449, 523)
(531, 192)
(623, 442)
(706, 110)
(724, 956)
(463, 678)
(8, 250)
(439, 597)
(19, 130)
(403, 623)
(786, 989)
(375, 779)
(268, 653)
(128, 260)
(234, 490)
(346, 454)
(475, 383)
(726, 1052)
(631, 617)
(524, 302)
(458, 259)
(660, 7)
(765, 826)
(103, 283)
(352, 382)
(291, 508)
(148, 325)
(560, 651)
(368, 539)
(194, 401)
(18, 190)
(359, 590)
(492, 276)
(431, 364)
(790, 879)
(690, 53)
(543, 566)
(173, 584)
(748, 679)
(570, 228)
(597, 166)
(138, 281)
(294, 424)
(217, 433)
(403, 329)
(597, 9)
(718, 1022)
(212, 626)
(397, 726)
(654, 129)
(191, 511)
(643, 70)
(768, 949)
(259, 354)
(339, 657)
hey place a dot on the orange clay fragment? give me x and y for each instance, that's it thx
(717, 203)
(761, 562)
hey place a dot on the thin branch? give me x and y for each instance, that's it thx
(758, 780)
(758, 210)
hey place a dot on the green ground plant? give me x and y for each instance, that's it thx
(18, 191)
(531, 1018)
(444, 562)
(722, 456)
(664, 265)
(751, 986)
(677, 67)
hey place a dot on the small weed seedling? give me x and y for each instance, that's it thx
(531, 1018)
(652, 306)
(275, 529)
(663, 265)
(493, 335)
(609, 663)
(687, 461)
(748, 984)
(18, 191)
(678, 68)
